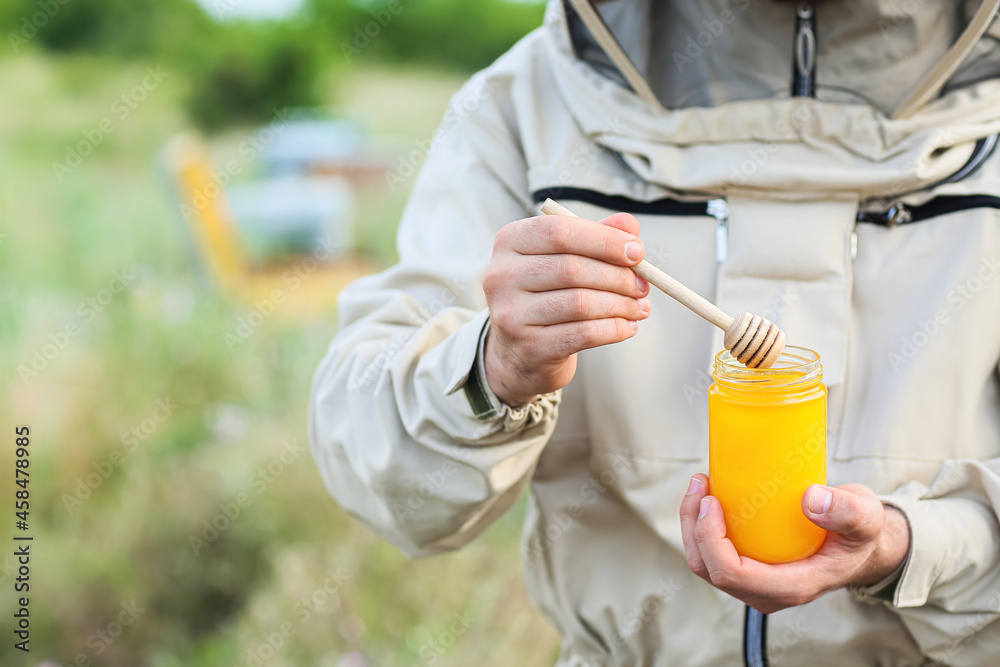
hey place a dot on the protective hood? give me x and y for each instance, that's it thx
(686, 53)
(843, 144)
(794, 171)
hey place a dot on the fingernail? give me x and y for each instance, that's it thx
(645, 305)
(633, 325)
(695, 485)
(819, 500)
(641, 284)
(705, 503)
(633, 250)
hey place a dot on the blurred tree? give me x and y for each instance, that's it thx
(241, 71)
(250, 71)
(127, 28)
(454, 33)
(237, 71)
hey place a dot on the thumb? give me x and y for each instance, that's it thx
(850, 510)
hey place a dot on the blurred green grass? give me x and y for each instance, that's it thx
(164, 339)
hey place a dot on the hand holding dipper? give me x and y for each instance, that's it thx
(754, 341)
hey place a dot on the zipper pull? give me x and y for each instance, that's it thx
(804, 55)
(898, 215)
(719, 209)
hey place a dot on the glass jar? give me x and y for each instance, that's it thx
(767, 445)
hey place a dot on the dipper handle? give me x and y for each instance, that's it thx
(752, 340)
(671, 286)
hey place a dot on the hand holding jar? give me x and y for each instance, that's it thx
(765, 528)
(865, 543)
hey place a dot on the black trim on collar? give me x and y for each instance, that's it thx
(620, 203)
(900, 214)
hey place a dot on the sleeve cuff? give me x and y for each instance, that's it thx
(883, 591)
(485, 404)
(932, 524)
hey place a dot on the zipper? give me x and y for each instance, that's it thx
(755, 638)
(804, 55)
(719, 209)
(716, 208)
(901, 214)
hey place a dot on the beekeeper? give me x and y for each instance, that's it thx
(832, 167)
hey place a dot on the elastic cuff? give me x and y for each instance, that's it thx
(488, 407)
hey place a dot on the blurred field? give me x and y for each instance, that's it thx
(146, 425)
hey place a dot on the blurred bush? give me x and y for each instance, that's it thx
(456, 34)
(250, 72)
(240, 71)
(114, 516)
(124, 28)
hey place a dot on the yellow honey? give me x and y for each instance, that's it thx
(767, 445)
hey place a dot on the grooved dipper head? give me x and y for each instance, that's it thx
(755, 342)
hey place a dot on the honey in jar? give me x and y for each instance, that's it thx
(767, 445)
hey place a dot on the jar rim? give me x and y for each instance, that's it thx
(795, 366)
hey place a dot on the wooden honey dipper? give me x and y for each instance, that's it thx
(751, 339)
